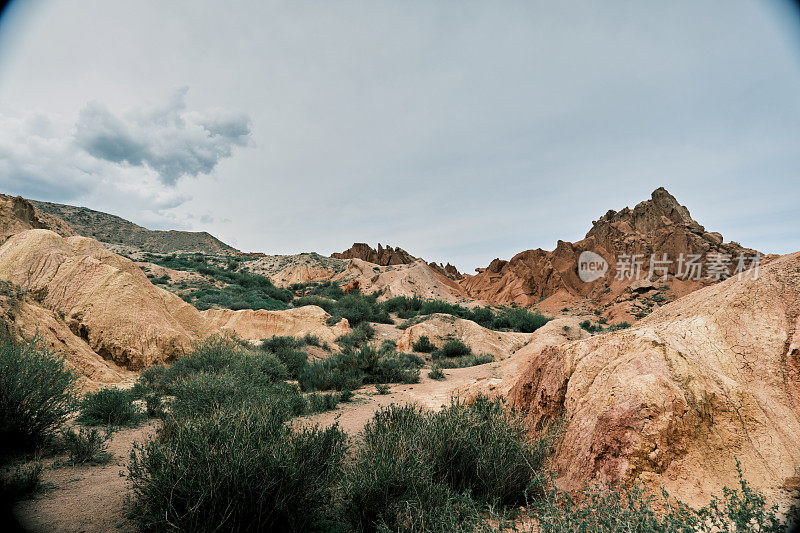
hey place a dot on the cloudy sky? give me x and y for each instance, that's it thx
(461, 131)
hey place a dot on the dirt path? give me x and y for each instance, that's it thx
(87, 497)
(428, 393)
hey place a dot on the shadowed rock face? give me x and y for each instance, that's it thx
(656, 226)
(674, 400)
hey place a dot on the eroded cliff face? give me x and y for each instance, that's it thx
(105, 299)
(676, 399)
(653, 228)
(18, 214)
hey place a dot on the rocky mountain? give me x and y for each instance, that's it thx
(626, 241)
(116, 230)
(391, 256)
(678, 398)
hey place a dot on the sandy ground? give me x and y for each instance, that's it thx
(86, 497)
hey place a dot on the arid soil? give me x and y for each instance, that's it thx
(85, 497)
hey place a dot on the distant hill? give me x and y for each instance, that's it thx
(113, 229)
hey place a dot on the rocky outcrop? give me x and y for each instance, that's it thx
(676, 399)
(439, 328)
(655, 227)
(262, 324)
(415, 279)
(18, 214)
(382, 256)
(284, 270)
(105, 299)
(392, 256)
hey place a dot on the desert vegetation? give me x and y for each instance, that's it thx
(473, 466)
(222, 286)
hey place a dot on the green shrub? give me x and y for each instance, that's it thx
(112, 407)
(321, 402)
(154, 405)
(346, 395)
(236, 471)
(382, 388)
(358, 308)
(294, 360)
(452, 348)
(436, 373)
(465, 361)
(514, 319)
(311, 340)
(591, 328)
(87, 445)
(204, 393)
(351, 369)
(20, 484)
(417, 470)
(387, 346)
(278, 343)
(357, 337)
(520, 320)
(37, 393)
(423, 345)
(259, 368)
(483, 447)
(601, 509)
(328, 305)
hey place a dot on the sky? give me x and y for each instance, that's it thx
(460, 131)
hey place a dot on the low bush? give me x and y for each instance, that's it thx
(417, 470)
(351, 369)
(465, 361)
(382, 388)
(357, 337)
(591, 328)
(37, 394)
(436, 373)
(423, 345)
(19, 484)
(320, 402)
(358, 308)
(112, 407)
(87, 445)
(387, 346)
(452, 348)
(514, 319)
(242, 470)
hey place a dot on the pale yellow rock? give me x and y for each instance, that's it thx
(105, 298)
(261, 324)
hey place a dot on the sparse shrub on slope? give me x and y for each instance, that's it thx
(37, 393)
(513, 319)
(244, 470)
(423, 345)
(452, 348)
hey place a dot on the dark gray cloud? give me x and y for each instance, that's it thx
(168, 140)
